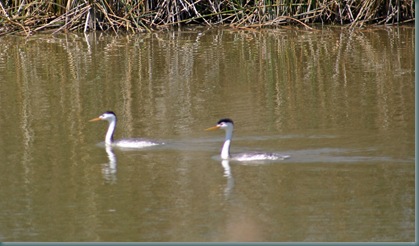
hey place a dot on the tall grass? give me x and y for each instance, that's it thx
(29, 16)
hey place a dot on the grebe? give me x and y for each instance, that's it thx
(123, 143)
(227, 125)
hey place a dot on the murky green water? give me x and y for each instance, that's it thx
(341, 103)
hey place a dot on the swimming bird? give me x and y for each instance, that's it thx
(123, 143)
(227, 125)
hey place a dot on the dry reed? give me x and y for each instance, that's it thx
(32, 16)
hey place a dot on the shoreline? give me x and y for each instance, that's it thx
(60, 16)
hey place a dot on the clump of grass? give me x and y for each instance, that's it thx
(138, 16)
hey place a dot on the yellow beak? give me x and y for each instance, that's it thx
(95, 119)
(212, 128)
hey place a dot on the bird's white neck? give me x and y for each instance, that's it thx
(225, 151)
(111, 130)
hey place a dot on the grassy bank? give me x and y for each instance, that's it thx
(31, 16)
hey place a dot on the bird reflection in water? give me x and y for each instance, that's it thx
(109, 169)
(227, 173)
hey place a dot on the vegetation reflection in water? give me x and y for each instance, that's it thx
(340, 102)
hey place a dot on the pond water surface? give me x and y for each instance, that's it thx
(339, 102)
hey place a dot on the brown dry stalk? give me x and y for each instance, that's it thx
(31, 16)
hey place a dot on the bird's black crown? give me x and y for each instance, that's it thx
(225, 120)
